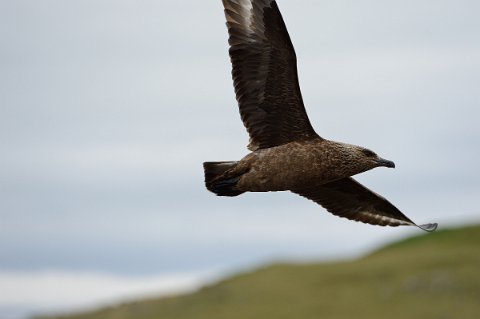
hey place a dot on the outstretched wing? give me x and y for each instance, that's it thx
(350, 199)
(265, 74)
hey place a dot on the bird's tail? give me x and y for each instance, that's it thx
(218, 182)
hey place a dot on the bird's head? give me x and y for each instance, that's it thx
(372, 159)
(357, 159)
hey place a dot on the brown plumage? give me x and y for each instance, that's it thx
(287, 154)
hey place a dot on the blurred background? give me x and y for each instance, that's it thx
(109, 107)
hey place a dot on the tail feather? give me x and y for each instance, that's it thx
(218, 185)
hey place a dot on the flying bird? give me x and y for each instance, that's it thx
(286, 152)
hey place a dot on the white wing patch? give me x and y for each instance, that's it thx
(385, 219)
(247, 14)
(242, 13)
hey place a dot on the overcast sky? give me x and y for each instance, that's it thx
(109, 107)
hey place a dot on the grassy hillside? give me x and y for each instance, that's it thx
(431, 276)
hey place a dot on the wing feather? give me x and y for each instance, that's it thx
(265, 74)
(350, 199)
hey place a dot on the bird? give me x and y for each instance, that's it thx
(286, 154)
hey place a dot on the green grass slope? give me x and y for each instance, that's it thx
(433, 276)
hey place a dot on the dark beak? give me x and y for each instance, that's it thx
(386, 163)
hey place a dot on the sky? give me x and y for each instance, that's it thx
(109, 107)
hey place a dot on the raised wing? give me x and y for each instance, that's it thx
(350, 199)
(265, 74)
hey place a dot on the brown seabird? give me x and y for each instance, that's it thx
(287, 154)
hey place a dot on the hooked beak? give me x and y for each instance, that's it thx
(386, 163)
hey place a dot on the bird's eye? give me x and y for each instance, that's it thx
(368, 153)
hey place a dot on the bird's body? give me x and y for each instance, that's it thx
(287, 154)
(283, 167)
(293, 165)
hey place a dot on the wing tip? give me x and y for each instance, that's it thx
(428, 227)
